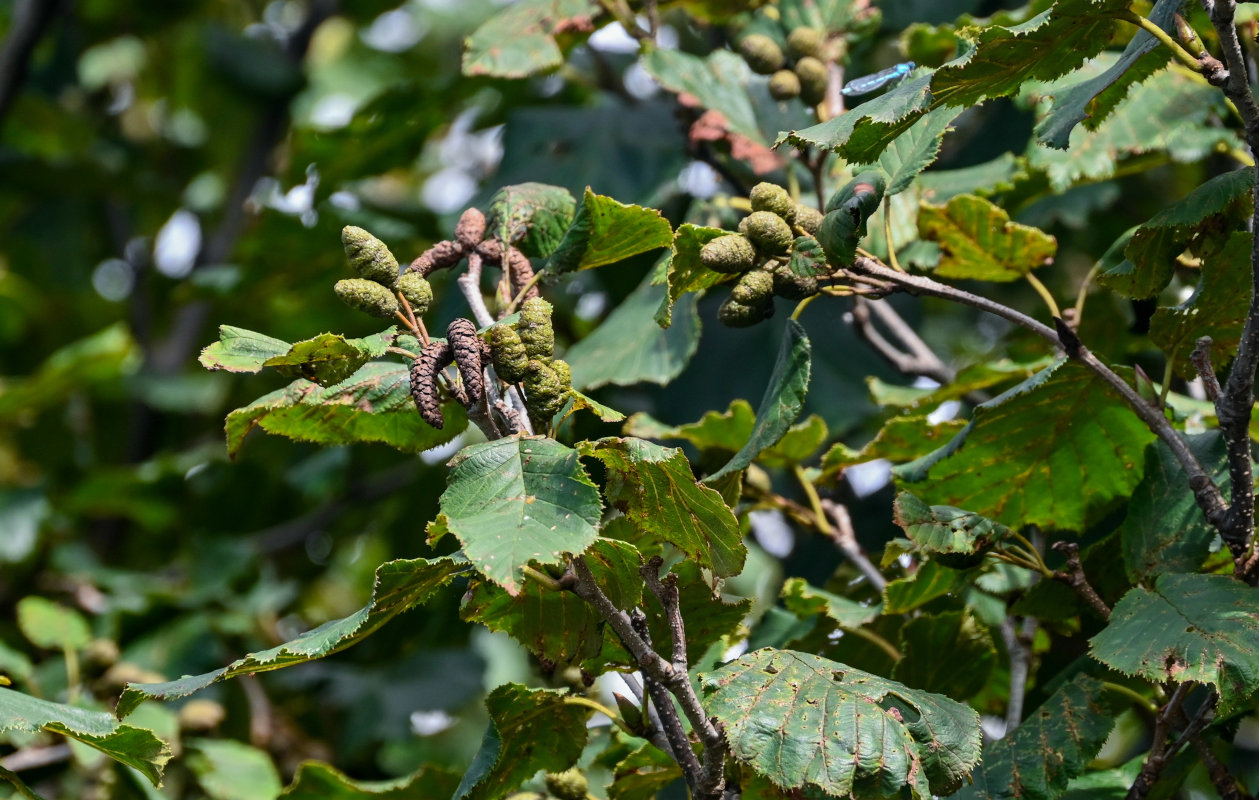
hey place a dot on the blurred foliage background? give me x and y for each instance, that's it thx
(169, 166)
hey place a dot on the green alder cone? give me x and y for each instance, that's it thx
(769, 232)
(734, 314)
(809, 219)
(772, 198)
(367, 296)
(419, 295)
(754, 288)
(762, 54)
(368, 256)
(813, 79)
(784, 85)
(567, 785)
(535, 329)
(563, 372)
(805, 42)
(545, 393)
(508, 353)
(731, 254)
(792, 286)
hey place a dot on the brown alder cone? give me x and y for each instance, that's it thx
(432, 359)
(466, 348)
(522, 274)
(470, 230)
(439, 256)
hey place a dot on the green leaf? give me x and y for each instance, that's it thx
(1058, 450)
(642, 774)
(807, 722)
(944, 529)
(230, 770)
(717, 430)
(808, 602)
(1164, 530)
(915, 149)
(532, 216)
(1049, 748)
(684, 272)
(605, 232)
(326, 359)
(798, 444)
(318, 781)
(976, 377)
(931, 580)
(781, 403)
(718, 83)
(51, 625)
(580, 402)
(1093, 99)
(861, 134)
(655, 489)
(900, 440)
(1173, 115)
(519, 500)
(997, 175)
(950, 654)
(530, 729)
(553, 623)
(1221, 203)
(979, 242)
(136, 747)
(1053, 43)
(1217, 309)
(628, 348)
(400, 585)
(372, 405)
(1187, 628)
(519, 41)
(104, 356)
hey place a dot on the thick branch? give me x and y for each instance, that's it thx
(1158, 756)
(1205, 492)
(1238, 398)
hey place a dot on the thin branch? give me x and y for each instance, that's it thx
(846, 539)
(679, 742)
(1237, 400)
(35, 757)
(1201, 359)
(1205, 491)
(470, 286)
(1020, 667)
(1075, 578)
(1158, 756)
(919, 360)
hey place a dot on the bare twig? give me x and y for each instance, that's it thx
(671, 723)
(35, 757)
(846, 539)
(1074, 577)
(1018, 646)
(470, 286)
(1201, 359)
(1206, 492)
(920, 360)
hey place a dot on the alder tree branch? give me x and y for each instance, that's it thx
(1237, 400)
(845, 538)
(707, 781)
(918, 361)
(1074, 577)
(1159, 754)
(1206, 493)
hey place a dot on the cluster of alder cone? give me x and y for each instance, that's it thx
(520, 350)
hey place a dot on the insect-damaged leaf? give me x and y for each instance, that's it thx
(325, 359)
(1058, 450)
(1051, 747)
(1201, 628)
(654, 486)
(979, 242)
(807, 722)
(605, 231)
(521, 40)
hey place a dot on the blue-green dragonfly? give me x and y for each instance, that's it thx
(868, 83)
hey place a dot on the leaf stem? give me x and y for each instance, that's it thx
(815, 502)
(887, 234)
(577, 700)
(541, 577)
(1082, 294)
(520, 296)
(1044, 293)
(1133, 695)
(1181, 54)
